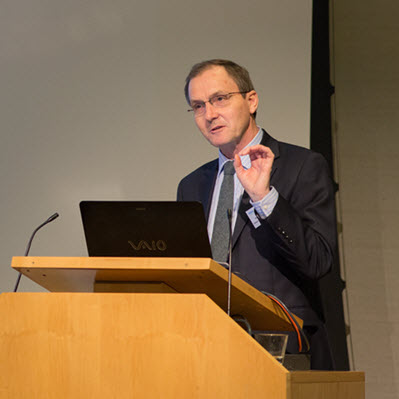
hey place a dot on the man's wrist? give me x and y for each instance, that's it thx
(265, 206)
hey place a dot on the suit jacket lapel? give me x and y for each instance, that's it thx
(206, 186)
(242, 217)
(270, 142)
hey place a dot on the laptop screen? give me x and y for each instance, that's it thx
(145, 229)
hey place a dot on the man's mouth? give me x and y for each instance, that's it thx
(215, 129)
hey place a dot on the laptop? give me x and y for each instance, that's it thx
(145, 229)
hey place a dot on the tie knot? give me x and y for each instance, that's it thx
(229, 168)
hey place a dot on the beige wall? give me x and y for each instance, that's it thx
(366, 64)
(92, 105)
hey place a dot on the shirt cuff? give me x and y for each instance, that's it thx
(265, 206)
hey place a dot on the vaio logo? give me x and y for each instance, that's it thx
(159, 245)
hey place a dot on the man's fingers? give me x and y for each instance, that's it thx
(259, 151)
(237, 163)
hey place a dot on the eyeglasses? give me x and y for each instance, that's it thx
(218, 101)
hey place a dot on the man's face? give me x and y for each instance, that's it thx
(229, 128)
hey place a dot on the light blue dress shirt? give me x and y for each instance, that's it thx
(263, 208)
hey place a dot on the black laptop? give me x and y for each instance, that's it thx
(150, 229)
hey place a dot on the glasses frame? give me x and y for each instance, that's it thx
(212, 99)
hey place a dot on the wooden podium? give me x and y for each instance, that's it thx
(171, 340)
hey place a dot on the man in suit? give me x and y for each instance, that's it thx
(283, 213)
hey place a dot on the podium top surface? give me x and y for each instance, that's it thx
(182, 275)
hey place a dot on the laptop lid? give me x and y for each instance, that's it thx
(150, 229)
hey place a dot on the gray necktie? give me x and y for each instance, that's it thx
(220, 235)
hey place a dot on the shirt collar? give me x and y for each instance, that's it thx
(246, 161)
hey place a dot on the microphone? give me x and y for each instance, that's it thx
(229, 217)
(50, 219)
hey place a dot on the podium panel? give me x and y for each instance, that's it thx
(117, 345)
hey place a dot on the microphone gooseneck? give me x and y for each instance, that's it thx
(229, 217)
(49, 220)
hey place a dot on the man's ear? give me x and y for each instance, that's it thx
(253, 101)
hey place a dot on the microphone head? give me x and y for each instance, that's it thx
(52, 217)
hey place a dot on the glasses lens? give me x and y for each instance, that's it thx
(220, 100)
(198, 108)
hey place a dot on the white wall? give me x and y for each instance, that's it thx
(92, 103)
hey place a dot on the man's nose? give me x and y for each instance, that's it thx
(211, 112)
